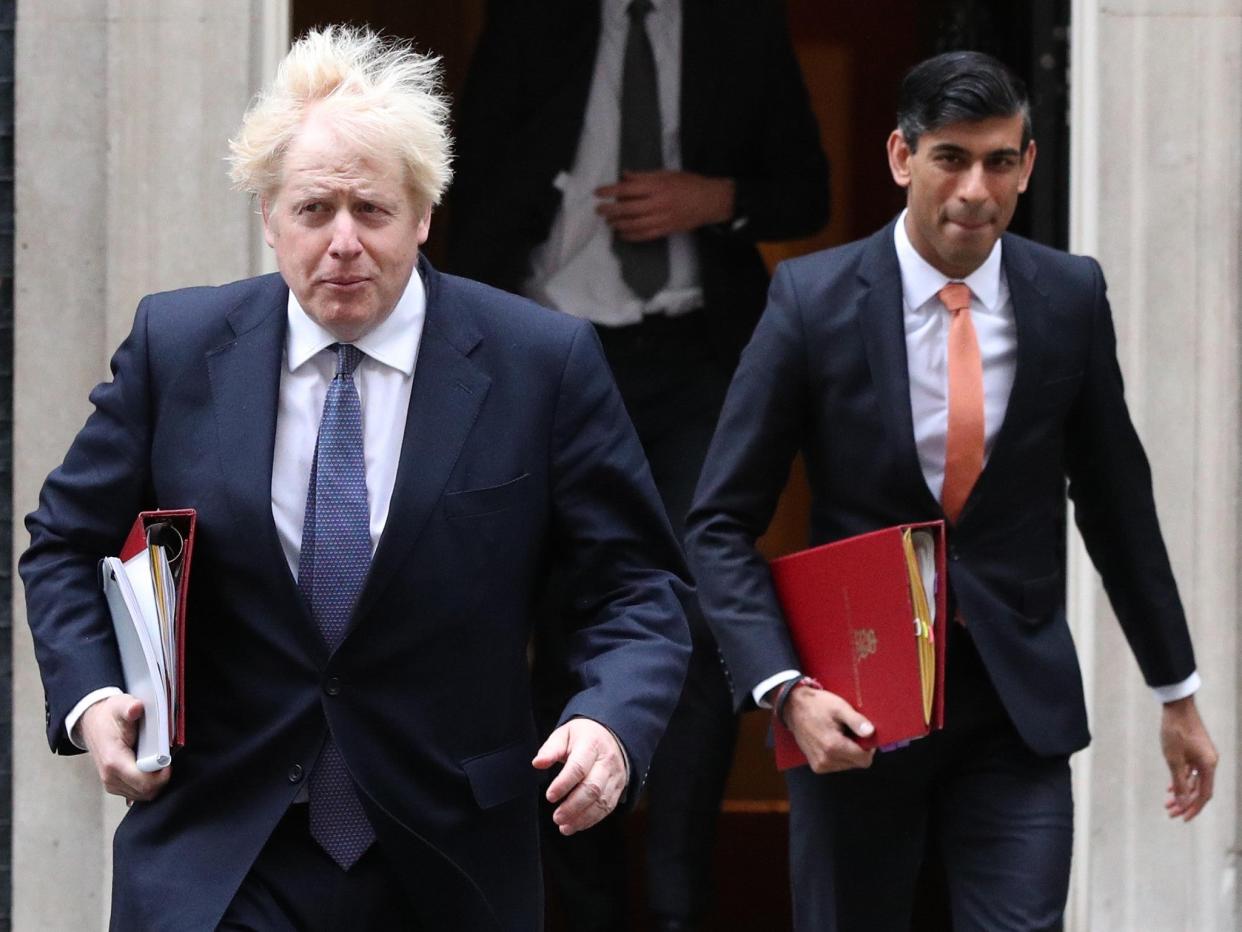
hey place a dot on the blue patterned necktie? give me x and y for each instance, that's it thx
(335, 557)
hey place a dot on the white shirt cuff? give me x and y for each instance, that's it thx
(1187, 687)
(765, 686)
(71, 720)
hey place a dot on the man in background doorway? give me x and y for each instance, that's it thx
(618, 161)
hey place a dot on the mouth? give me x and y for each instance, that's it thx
(970, 226)
(345, 282)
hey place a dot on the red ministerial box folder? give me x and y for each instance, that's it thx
(850, 610)
(183, 519)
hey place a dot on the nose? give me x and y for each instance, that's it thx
(973, 188)
(345, 244)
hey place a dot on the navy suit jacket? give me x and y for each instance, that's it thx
(826, 373)
(517, 454)
(745, 115)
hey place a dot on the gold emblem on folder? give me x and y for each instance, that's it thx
(865, 643)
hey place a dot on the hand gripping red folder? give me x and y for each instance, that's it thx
(851, 611)
(183, 521)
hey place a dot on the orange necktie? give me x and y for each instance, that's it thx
(963, 444)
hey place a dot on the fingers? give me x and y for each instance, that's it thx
(638, 219)
(825, 726)
(1190, 791)
(855, 721)
(634, 185)
(553, 751)
(839, 753)
(593, 778)
(110, 731)
(596, 795)
(645, 206)
(1206, 787)
(1192, 759)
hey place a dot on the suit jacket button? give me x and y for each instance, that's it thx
(295, 773)
(332, 686)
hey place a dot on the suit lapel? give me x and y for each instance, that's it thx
(245, 386)
(881, 318)
(1030, 310)
(445, 399)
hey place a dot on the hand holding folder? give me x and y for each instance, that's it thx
(146, 589)
(867, 618)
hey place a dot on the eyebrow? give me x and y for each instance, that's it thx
(316, 189)
(954, 149)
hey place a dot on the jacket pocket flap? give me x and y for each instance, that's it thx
(499, 776)
(469, 502)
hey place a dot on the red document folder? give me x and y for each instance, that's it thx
(850, 612)
(183, 519)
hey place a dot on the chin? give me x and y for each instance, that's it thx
(345, 325)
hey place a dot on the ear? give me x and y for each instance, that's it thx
(899, 154)
(424, 226)
(265, 207)
(1028, 163)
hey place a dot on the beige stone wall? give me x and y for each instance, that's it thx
(1156, 125)
(123, 110)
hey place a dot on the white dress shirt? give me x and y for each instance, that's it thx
(575, 269)
(927, 335)
(383, 379)
(927, 330)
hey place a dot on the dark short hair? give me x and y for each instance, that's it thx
(959, 87)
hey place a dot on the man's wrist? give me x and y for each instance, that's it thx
(787, 691)
(75, 714)
(764, 692)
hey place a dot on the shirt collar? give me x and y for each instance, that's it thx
(920, 280)
(394, 342)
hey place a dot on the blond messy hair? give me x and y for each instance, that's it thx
(378, 93)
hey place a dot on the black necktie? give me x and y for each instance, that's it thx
(644, 266)
(335, 557)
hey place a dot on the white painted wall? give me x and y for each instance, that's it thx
(1156, 128)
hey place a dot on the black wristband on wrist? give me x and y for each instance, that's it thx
(782, 698)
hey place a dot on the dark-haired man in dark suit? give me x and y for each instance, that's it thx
(942, 368)
(619, 159)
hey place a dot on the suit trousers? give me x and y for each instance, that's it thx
(293, 886)
(999, 817)
(673, 385)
